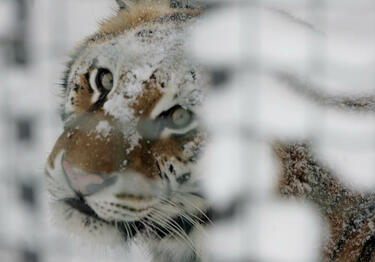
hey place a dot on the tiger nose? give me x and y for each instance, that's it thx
(83, 183)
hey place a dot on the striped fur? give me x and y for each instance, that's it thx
(153, 190)
(124, 169)
(349, 214)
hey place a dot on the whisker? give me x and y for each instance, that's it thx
(193, 206)
(152, 223)
(146, 228)
(125, 226)
(194, 219)
(183, 213)
(135, 228)
(176, 228)
(170, 228)
(128, 230)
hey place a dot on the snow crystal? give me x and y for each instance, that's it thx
(119, 107)
(103, 128)
(196, 97)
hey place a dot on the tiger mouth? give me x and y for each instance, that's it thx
(81, 205)
(129, 229)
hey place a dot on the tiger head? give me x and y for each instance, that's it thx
(125, 165)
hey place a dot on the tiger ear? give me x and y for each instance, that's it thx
(125, 4)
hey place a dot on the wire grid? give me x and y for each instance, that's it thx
(33, 45)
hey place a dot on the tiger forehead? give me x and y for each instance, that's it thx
(140, 15)
(151, 95)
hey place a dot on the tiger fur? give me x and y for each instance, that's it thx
(125, 169)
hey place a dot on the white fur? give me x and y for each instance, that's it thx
(172, 250)
(73, 221)
(132, 61)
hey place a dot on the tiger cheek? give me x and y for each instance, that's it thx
(81, 95)
(143, 160)
(170, 148)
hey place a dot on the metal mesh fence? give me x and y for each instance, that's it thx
(250, 48)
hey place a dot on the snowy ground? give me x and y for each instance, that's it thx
(339, 59)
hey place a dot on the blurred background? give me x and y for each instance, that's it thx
(280, 69)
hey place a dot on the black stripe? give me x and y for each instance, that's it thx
(99, 102)
(132, 228)
(81, 206)
(364, 212)
(65, 78)
(180, 4)
(69, 64)
(129, 230)
(367, 250)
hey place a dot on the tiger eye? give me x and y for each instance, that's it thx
(105, 79)
(181, 117)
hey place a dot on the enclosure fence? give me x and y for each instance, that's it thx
(297, 70)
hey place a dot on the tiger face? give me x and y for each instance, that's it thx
(125, 165)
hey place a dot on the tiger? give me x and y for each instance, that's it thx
(349, 214)
(125, 168)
